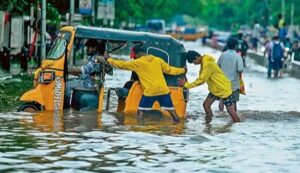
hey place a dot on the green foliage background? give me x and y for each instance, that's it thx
(215, 13)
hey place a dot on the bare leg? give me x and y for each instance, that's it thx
(140, 113)
(232, 113)
(221, 105)
(174, 116)
(207, 108)
(235, 106)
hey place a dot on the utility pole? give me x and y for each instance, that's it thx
(71, 19)
(72, 59)
(292, 13)
(43, 33)
(283, 9)
(292, 28)
(93, 12)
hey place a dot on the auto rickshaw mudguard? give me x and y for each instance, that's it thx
(34, 95)
(101, 95)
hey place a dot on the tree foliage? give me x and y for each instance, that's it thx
(216, 13)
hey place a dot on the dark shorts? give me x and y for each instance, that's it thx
(277, 64)
(226, 101)
(235, 96)
(147, 102)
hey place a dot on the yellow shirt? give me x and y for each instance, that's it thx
(150, 71)
(218, 84)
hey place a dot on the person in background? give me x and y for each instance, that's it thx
(150, 71)
(219, 85)
(242, 47)
(283, 32)
(296, 51)
(231, 64)
(276, 56)
(281, 22)
(235, 27)
(255, 35)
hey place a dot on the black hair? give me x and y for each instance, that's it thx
(240, 35)
(138, 48)
(232, 43)
(91, 43)
(191, 56)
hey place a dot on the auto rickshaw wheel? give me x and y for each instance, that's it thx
(29, 107)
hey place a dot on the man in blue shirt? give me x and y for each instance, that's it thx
(85, 73)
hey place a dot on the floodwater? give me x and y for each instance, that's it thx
(267, 139)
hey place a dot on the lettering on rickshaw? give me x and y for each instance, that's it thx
(57, 93)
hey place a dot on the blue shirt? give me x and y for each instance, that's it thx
(87, 70)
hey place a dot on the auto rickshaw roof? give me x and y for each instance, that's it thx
(122, 35)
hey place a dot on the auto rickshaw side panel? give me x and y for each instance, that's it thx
(53, 93)
(34, 95)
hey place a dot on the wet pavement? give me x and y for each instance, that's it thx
(267, 139)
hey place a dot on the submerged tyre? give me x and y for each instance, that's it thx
(29, 107)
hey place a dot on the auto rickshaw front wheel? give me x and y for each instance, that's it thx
(29, 107)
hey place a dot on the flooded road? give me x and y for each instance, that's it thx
(267, 139)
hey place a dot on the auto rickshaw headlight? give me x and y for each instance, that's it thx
(46, 77)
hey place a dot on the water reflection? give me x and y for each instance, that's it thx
(217, 129)
(74, 121)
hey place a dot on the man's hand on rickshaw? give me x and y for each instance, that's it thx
(101, 60)
(181, 82)
(106, 55)
(185, 68)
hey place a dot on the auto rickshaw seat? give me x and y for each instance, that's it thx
(122, 93)
(84, 99)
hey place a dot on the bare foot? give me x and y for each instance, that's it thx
(208, 119)
(175, 118)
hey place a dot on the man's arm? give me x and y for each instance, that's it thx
(203, 77)
(240, 65)
(219, 60)
(171, 70)
(125, 65)
(74, 71)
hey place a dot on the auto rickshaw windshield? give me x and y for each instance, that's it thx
(59, 46)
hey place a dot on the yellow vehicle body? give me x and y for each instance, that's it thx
(49, 96)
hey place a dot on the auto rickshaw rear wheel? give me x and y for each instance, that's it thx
(29, 107)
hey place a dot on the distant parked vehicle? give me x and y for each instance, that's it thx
(177, 34)
(192, 34)
(156, 26)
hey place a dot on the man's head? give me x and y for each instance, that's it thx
(240, 35)
(232, 42)
(193, 57)
(139, 50)
(275, 38)
(91, 46)
(296, 44)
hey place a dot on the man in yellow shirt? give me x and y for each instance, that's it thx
(218, 84)
(150, 71)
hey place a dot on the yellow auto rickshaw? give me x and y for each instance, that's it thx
(52, 76)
